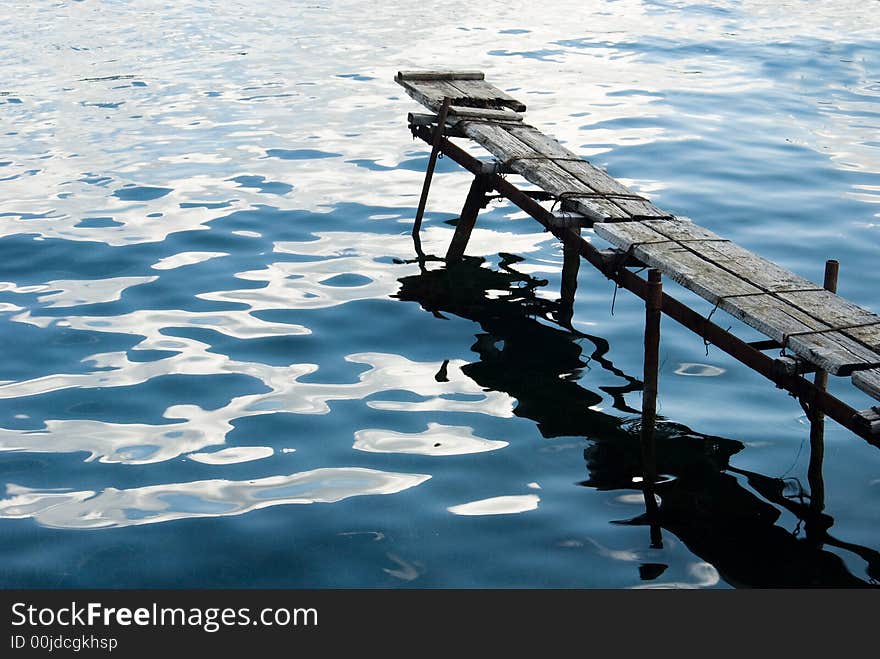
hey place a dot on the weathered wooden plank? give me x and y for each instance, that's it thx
(835, 311)
(617, 258)
(566, 220)
(870, 419)
(868, 381)
(793, 365)
(676, 262)
(776, 318)
(484, 113)
(497, 141)
(543, 143)
(568, 187)
(803, 334)
(424, 119)
(597, 179)
(730, 256)
(679, 228)
(827, 307)
(529, 163)
(431, 93)
(430, 90)
(482, 94)
(438, 75)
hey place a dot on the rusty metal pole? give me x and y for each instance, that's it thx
(817, 418)
(653, 313)
(571, 262)
(432, 162)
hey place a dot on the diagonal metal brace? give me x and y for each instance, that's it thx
(432, 162)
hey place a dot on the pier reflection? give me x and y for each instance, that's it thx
(727, 516)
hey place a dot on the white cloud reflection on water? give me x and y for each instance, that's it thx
(147, 443)
(209, 498)
(185, 258)
(191, 428)
(438, 439)
(234, 455)
(306, 285)
(693, 369)
(503, 505)
(72, 293)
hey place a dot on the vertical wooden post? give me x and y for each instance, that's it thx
(653, 305)
(832, 269)
(432, 162)
(476, 199)
(817, 419)
(571, 262)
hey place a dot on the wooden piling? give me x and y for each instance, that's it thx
(475, 200)
(832, 269)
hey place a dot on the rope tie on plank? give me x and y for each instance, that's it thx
(621, 259)
(842, 328)
(623, 256)
(612, 198)
(513, 159)
(773, 294)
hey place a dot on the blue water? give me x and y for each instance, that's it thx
(222, 366)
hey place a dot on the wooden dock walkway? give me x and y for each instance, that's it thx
(824, 332)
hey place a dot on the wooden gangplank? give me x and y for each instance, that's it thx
(823, 329)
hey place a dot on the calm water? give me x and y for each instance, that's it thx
(221, 367)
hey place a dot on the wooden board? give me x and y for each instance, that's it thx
(595, 178)
(868, 381)
(860, 324)
(488, 114)
(545, 162)
(761, 272)
(539, 158)
(534, 167)
(746, 286)
(439, 75)
(483, 95)
(463, 89)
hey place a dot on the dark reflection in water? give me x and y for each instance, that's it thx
(704, 501)
(536, 363)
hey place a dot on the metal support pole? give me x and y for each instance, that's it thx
(653, 313)
(432, 162)
(475, 200)
(817, 418)
(571, 263)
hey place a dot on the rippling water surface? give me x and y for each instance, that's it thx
(222, 366)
